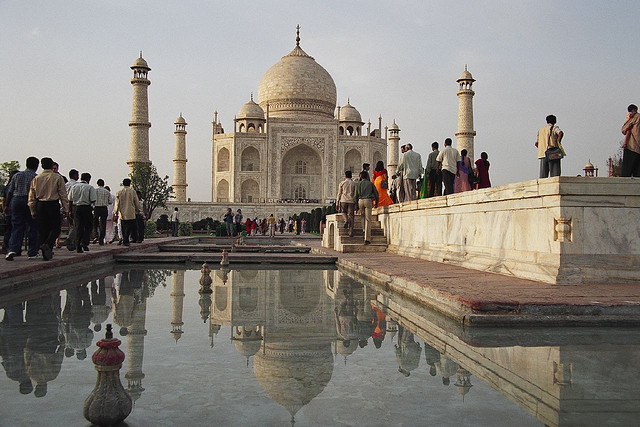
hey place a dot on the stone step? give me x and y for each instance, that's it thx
(343, 232)
(360, 239)
(359, 224)
(373, 247)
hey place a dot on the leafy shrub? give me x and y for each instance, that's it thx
(150, 228)
(185, 229)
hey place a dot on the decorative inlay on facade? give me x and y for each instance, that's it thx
(286, 317)
(291, 141)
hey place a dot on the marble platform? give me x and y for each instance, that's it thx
(562, 230)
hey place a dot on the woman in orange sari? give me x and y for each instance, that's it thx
(381, 181)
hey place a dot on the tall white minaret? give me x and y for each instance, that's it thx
(465, 133)
(394, 144)
(135, 350)
(180, 161)
(139, 124)
(177, 303)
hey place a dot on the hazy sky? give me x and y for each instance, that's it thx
(65, 88)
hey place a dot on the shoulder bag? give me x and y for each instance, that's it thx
(553, 152)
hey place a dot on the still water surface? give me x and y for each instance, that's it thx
(310, 347)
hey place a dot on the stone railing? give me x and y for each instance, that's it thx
(557, 230)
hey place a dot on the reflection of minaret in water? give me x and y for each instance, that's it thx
(177, 302)
(463, 381)
(135, 342)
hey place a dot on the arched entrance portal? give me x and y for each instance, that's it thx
(302, 174)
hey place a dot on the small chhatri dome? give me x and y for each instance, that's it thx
(180, 120)
(140, 63)
(251, 110)
(466, 75)
(589, 166)
(394, 126)
(348, 113)
(297, 86)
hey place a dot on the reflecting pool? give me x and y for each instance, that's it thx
(304, 346)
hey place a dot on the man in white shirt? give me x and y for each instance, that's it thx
(101, 210)
(446, 162)
(74, 175)
(346, 202)
(410, 167)
(174, 222)
(81, 198)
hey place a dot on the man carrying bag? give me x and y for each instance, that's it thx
(550, 151)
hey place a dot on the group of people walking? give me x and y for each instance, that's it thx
(236, 225)
(35, 204)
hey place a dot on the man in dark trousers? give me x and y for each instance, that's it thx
(81, 197)
(45, 195)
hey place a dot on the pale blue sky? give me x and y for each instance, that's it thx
(65, 88)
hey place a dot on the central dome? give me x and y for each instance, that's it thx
(298, 87)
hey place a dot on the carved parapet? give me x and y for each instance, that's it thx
(562, 228)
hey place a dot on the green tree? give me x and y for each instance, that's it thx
(155, 191)
(5, 169)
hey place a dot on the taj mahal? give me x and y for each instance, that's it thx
(287, 152)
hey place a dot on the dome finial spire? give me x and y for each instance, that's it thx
(251, 96)
(465, 67)
(140, 54)
(348, 100)
(298, 35)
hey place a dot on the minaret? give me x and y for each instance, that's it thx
(135, 349)
(394, 143)
(177, 303)
(139, 124)
(180, 161)
(465, 131)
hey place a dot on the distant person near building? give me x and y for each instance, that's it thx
(346, 202)
(631, 145)
(74, 176)
(238, 221)
(45, 195)
(365, 195)
(411, 168)
(482, 171)
(175, 221)
(550, 151)
(17, 195)
(228, 221)
(272, 225)
(446, 162)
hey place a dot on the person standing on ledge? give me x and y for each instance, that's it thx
(81, 198)
(446, 162)
(431, 173)
(410, 166)
(631, 145)
(18, 191)
(365, 194)
(549, 136)
(345, 202)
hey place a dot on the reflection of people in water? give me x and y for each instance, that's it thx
(43, 353)
(432, 356)
(345, 315)
(446, 368)
(99, 309)
(128, 295)
(13, 339)
(407, 352)
(381, 326)
(365, 322)
(77, 318)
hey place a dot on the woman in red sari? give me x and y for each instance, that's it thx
(482, 171)
(381, 181)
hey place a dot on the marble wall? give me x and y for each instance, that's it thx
(556, 230)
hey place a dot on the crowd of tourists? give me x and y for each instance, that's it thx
(411, 181)
(37, 204)
(237, 225)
